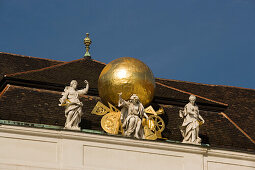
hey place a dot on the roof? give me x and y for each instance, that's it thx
(241, 101)
(62, 74)
(34, 105)
(35, 94)
(13, 63)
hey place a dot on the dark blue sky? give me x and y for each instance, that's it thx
(204, 41)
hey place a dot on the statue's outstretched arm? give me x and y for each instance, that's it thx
(145, 115)
(85, 90)
(121, 101)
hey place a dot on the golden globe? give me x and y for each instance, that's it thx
(129, 76)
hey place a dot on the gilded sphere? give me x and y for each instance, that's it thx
(129, 76)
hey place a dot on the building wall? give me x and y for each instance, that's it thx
(23, 148)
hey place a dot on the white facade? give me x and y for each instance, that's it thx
(24, 148)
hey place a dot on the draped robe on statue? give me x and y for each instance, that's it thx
(131, 118)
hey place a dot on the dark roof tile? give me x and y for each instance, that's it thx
(13, 63)
(241, 101)
(80, 70)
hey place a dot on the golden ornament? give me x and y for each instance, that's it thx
(111, 122)
(129, 76)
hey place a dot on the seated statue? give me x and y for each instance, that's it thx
(73, 106)
(190, 126)
(132, 113)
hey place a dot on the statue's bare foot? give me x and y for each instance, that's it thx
(136, 136)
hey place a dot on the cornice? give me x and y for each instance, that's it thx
(123, 141)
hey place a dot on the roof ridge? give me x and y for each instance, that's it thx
(99, 62)
(4, 90)
(240, 129)
(182, 91)
(35, 89)
(31, 57)
(212, 85)
(41, 69)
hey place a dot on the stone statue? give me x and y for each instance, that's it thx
(191, 122)
(73, 106)
(132, 113)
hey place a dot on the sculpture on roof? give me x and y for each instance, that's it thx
(127, 75)
(132, 113)
(73, 106)
(113, 120)
(134, 78)
(192, 120)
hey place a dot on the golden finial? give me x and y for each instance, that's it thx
(87, 42)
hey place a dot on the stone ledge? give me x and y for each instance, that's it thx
(119, 140)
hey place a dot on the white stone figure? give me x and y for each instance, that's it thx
(190, 125)
(132, 113)
(73, 106)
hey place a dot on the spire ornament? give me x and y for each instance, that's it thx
(87, 42)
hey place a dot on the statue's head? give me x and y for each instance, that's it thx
(134, 98)
(192, 99)
(74, 84)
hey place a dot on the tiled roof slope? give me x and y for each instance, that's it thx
(13, 63)
(41, 106)
(216, 131)
(179, 97)
(80, 70)
(90, 70)
(241, 101)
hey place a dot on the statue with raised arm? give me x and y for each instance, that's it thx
(132, 113)
(73, 106)
(191, 122)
